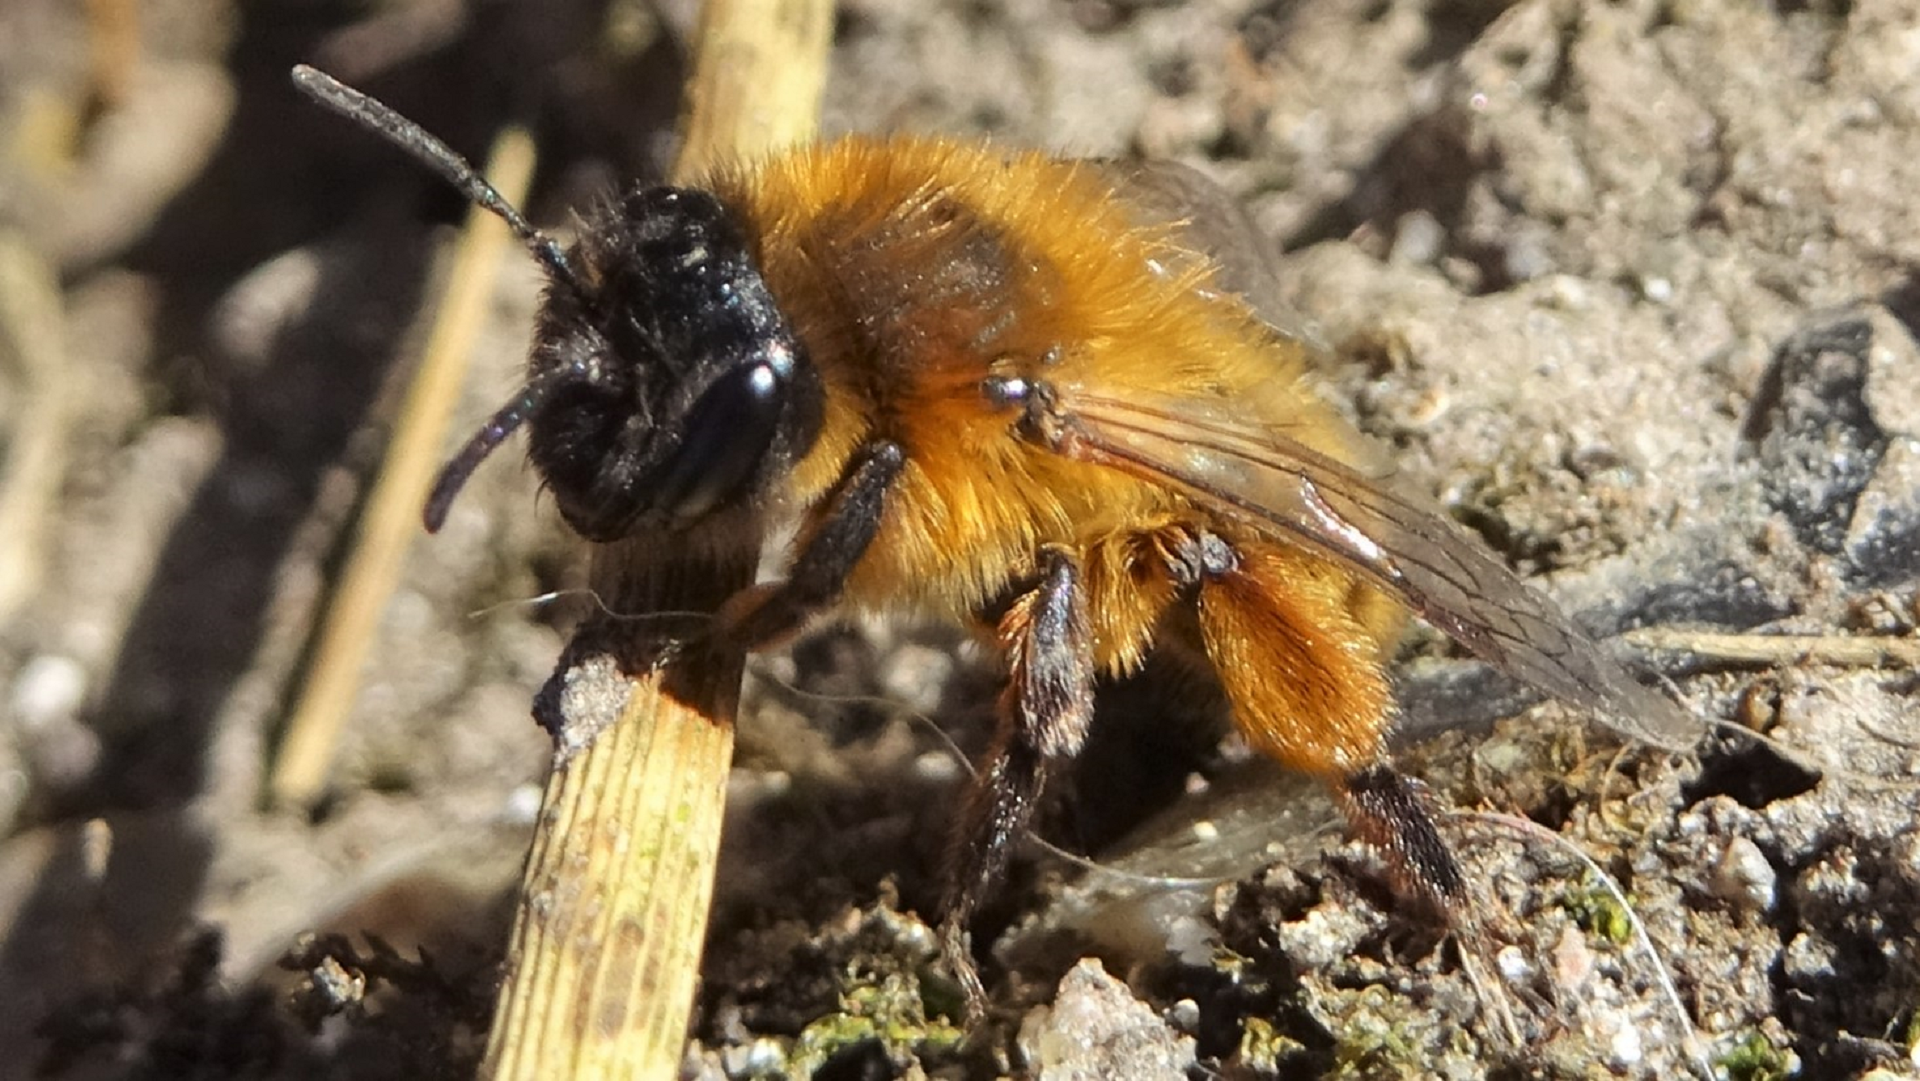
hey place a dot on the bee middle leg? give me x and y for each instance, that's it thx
(1044, 714)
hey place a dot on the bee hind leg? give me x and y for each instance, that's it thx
(1300, 653)
(1393, 814)
(1044, 714)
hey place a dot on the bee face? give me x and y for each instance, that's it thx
(669, 384)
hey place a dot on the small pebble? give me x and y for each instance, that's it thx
(49, 689)
(1572, 960)
(1097, 1030)
(762, 1058)
(522, 805)
(1418, 239)
(1742, 876)
(1513, 964)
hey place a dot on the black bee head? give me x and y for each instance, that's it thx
(668, 383)
(664, 384)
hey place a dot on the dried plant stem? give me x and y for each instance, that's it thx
(391, 519)
(758, 71)
(113, 50)
(1853, 651)
(33, 353)
(606, 945)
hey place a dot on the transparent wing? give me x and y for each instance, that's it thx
(1396, 540)
(1205, 219)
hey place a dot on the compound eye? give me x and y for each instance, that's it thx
(726, 436)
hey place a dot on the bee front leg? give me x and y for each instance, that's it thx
(1043, 717)
(766, 614)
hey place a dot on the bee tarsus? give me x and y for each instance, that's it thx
(1393, 814)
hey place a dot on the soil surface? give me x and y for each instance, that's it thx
(1630, 287)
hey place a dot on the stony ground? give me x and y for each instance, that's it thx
(1630, 287)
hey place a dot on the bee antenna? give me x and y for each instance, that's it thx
(453, 476)
(436, 155)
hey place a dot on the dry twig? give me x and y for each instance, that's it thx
(607, 939)
(33, 354)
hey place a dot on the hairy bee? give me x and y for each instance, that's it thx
(1033, 395)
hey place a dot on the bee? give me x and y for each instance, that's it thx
(1039, 397)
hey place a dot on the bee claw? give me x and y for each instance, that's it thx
(956, 948)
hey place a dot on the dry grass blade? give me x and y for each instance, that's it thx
(31, 350)
(1856, 651)
(606, 944)
(114, 49)
(759, 69)
(391, 518)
